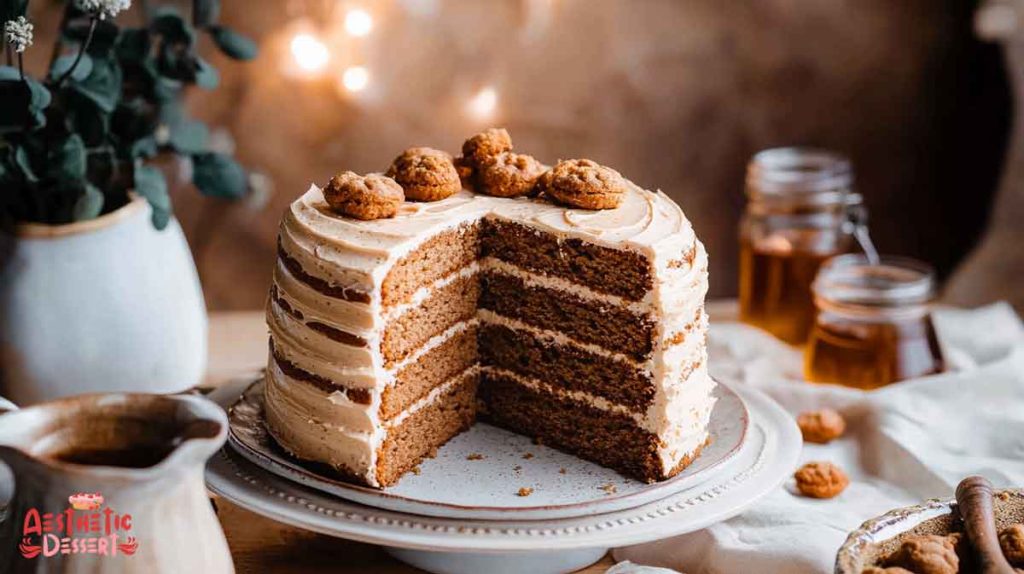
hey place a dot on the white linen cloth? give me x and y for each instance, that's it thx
(904, 443)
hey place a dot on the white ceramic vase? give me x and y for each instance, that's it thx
(105, 305)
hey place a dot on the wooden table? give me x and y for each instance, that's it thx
(238, 348)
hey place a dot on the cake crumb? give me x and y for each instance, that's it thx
(517, 468)
(525, 491)
(528, 456)
(562, 470)
(416, 470)
(475, 456)
(609, 488)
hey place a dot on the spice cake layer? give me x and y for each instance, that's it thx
(383, 330)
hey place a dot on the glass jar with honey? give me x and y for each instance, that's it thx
(801, 210)
(873, 325)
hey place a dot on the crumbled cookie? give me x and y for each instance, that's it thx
(1011, 540)
(888, 570)
(926, 554)
(820, 480)
(509, 175)
(525, 491)
(426, 174)
(583, 183)
(822, 426)
(366, 197)
(486, 145)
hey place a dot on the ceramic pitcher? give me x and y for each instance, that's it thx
(111, 484)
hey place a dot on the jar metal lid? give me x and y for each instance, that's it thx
(893, 282)
(806, 174)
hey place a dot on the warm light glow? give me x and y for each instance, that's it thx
(355, 79)
(483, 104)
(309, 52)
(358, 22)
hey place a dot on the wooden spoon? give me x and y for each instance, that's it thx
(974, 497)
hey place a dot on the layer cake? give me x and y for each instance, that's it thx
(582, 328)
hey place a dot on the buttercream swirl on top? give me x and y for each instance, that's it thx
(646, 221)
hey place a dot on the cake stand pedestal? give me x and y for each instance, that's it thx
(496, 545)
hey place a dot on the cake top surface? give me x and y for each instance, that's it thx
(645, 221)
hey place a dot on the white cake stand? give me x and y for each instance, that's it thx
(454, 545)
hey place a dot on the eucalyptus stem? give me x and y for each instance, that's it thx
(10, 54)
(81, 52)
(21, 66)
(59, 44)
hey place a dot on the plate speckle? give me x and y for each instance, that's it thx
(491, 473)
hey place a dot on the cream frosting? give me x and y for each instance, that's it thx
(357, 255)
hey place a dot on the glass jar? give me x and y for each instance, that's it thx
(801, 210)
(873, 325)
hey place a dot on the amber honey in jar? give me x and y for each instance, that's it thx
(801, 210)
(873, 325)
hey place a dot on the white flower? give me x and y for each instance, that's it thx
(18, 33)
(103, 8)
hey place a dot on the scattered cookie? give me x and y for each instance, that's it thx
(486, 145)
(820, 480)
(1011, 539)
(365, 197)
(821, 426)
(426, 174)
(524, 491)
(509, 175)
(583, 183)
(926, 554)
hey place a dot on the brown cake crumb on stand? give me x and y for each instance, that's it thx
(524, 491)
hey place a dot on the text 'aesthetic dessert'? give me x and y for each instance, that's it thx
(563, 303)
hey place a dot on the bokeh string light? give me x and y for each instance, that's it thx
(337, 48)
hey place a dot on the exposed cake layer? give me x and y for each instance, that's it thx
(616, 271)
(419, 377)
(607, 437)
(584, 320)
(450, 410)
(548, 358)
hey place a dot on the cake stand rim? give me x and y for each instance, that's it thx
(763, 471)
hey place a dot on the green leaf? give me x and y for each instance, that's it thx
(169, 24)
(218, 175)
(205, 12)
(233, 44)
(63, 63)
(68, 162)
(206, 75)
(150, 184)
(133, 45)
(189, 137)
(86, 118)
(89, 204)
(144, 148)
(24, 164)
(103, 86)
